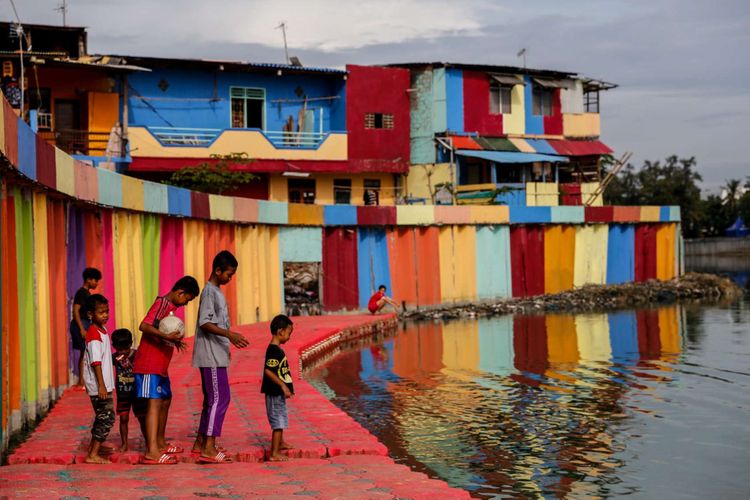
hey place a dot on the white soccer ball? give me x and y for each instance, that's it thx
(172, 323)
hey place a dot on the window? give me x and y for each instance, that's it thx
(302, 191)
(500, 99)
(542, 101)
(248, 105)
(591, 101)
(342, 191)
(379, 120)
(372, 192)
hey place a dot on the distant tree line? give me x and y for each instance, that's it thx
(674, 181)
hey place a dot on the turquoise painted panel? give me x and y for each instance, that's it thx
(272, 212)
(496, 346)
(567, 214)
(454, 94)
(422, 143)
(674, 214)
(493, 262)
(301, 244)
(26, 150)
(530, 215)
(373, 267)
(110, 188)
(534, 123)
(155, 197)
(439, 105)
(340, 215)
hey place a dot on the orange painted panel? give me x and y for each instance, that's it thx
(562, 342)
(403, 257)
(14, 341)
(103, 111)
(219, 236)
(92, 228)
(559, 258)
(5, 289)
(58, 311)
(427, 248)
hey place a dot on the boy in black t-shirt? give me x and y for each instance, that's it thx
(79, 320)
(277, 385)
(122, 360)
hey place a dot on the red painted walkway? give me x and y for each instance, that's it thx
(334, 455)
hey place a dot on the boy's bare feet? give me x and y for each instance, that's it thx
(106, 449)
(123, 447)
(96, 459)
(278, 458)
(286, 446)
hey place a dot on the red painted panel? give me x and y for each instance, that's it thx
(199, 205)
(579, 148)
(599, 214)
(58, 269)
(11, 328)
(10, 121)
(218, 236)
(553, 124)
(46, 172)
(462, 142)
(92, 229)
(649, 344)
(477, 117)
(571, 194)
(108, 269)
(373, 89)
(5, 292)
(376, 216)
(530, 344)
(645, 252)
(403, 263)
(428, 251)
(340, 283)
(527, 260)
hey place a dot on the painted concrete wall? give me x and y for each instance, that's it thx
(421, 117)
(279, 187)
(417, 184)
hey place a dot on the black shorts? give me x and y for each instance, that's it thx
(78, 341)
(127, 401)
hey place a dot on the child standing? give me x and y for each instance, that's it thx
(122, 359)
(277, 384)
(79, 321)
(211, 357)
(151, 370)
(98, 376)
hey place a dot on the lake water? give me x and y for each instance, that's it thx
(651, 403)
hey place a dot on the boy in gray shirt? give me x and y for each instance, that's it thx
(211, 357)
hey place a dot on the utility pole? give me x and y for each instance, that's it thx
(522, 53)
(63, 9)
(282, 25)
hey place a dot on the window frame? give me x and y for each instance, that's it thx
(385, 120)
(248, 96)
(545, 96)
(342, 186)
(303, 190)
(501, 91)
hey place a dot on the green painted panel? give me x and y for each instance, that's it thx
(496, 144)
(27, 321)
(151, 232)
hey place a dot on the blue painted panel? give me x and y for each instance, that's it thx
(674, 214)
(273, 212)
(340, 215)
(373, 268)
(179, 201)
(496, 345)
(200, 99)
(543, 147)
(664, 214)
(301, 244)
(534, 123)
(493, 261)
(110, 188)
(623, 336)
(26, 150)
(516, 197)
(621, 254)
(530, 215)
(439, 103)
(568, 214)
(155, 197)
(454, 94)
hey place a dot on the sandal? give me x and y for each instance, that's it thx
(198, 452)
(172, 449)
(220, 458)
(164, 459)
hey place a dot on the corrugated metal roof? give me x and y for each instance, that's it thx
(230, 65)
(490, 68)
(511, 157)
(579, 148)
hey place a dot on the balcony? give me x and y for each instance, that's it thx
(581, 125)
(79, 142)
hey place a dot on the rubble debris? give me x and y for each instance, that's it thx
(690, 288)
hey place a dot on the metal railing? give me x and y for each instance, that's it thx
(283, 139)
(78, 142)
(173, 136)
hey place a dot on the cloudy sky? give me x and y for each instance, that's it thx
(683, 66)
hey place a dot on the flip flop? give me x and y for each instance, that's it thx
(220, 458)
(198, 452)
(164, 459)
(172, 449)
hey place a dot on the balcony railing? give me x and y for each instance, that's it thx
(78, 142)
(203, 137)
(282, 139)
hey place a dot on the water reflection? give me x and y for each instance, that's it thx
(520, 406)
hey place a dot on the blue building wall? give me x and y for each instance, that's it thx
(454, 94)
(621, 254)
(200, 99)
(372, 262)
(534, 123)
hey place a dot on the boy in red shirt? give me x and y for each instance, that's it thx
(151, 365)
(379, 299)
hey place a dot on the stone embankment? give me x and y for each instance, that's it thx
(691, 288)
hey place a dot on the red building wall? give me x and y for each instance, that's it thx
(553, 124)
(372, 89)
(477, 117)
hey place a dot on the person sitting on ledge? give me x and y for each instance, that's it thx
(379, 299)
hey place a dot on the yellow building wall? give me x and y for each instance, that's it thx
(588, 189)
(278, 187)
(103, 111)
(255, 144)
(259, 299)
(128, 258)
(515, 122)
(591, 255)
(416, 180)
(665, 251)
(581, 125)
(195, 266)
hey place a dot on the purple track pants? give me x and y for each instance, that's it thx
(216, 399)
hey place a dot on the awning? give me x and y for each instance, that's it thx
(510, 157)
(463, 142)
(579, 148)
(550, 84)
(542, 146)
(495, 144)
(507, 79)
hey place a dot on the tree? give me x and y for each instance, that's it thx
(214, 177)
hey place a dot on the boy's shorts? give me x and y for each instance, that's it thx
(152, 386)
(276, 411)
(127, 401)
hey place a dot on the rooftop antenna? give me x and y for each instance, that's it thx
(63, 9)
(282, 25)
(522, 53)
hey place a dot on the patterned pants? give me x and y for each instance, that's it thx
(104, 417)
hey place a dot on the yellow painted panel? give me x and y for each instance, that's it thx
(305, 215)
(559, 258)
(591, 254)
(255, 144)
(421, 177)
(247, 285)
(522, 145)
(132, 193)
(489, 214)
(588, 189)
(650, 214)
(531, 194)
(669, 332)
(103, 108)
(581, 125)
(259, 273)
(542, 194)
(562, 343)
(465, 262)
(415, 215)
(445, 243)
(665, 251)
(593, 337)
(41, 266)
(65, 173)
(515, 122)
(194, 266)
(461, 345)
(222, 207)
(128, 259)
